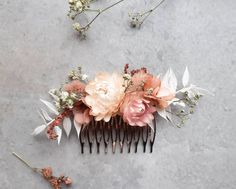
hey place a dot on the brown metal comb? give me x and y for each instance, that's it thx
(117, 134)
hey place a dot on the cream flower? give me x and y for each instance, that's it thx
(105, 94)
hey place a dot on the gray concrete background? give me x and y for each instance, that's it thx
(38, 47)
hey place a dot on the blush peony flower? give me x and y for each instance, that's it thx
(136, 110)
(105, 94)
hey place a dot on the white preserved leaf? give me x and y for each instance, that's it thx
(180, 103)
(50, 122)
(165, 78)
(41, 115)
(45, 115)
(173, 80)
(193, 90)
(164, 114)
(39, 129)
(185, 78)
(58, 131)
(173, 101)
(170, 81)
(51, 92)
(50, 106)
(203, 91)
(77, 127)
(67, 125)
(191, 94)
(151, 125)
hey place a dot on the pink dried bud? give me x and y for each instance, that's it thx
(57, 122)
(47, 172)
(68, 181)
(54, 183)
(126, 68)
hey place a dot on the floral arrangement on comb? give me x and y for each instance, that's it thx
(134, 95)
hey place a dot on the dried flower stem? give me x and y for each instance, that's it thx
(100, 11)
(148, 13)
(25, 162)
(137, 19)
(46, 173)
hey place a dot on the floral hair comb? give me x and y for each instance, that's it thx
(118, 109)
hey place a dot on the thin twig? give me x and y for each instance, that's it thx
(85, 10)
(100, 12)
(92, 10)
(25, 162)
(147, 13)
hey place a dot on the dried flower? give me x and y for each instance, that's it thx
(78, 7)
(138, 80)
(136, 110)
(161, 96)
(55, 182)
(78, 75)
(126, 69)
(68, 181)
(105, 94)
(75, 87)
(137, 19)
(47, 172)
(135, 95)
(77, 26)
(66, 97)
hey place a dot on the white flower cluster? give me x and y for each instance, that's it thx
(78, 5)
(135, 20)
(78, 75)
(63, 99)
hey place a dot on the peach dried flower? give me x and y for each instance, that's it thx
(105, 94)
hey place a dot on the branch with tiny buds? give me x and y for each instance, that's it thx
(137, 19)
(86, 8)
(46, 173)
(183, 114)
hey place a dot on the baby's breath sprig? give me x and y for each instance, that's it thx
(184, 113)
(137, 19)
(78, 7)
(78, 75)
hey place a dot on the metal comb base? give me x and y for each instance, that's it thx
(117, 134)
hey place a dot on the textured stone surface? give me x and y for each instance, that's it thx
(38, 47)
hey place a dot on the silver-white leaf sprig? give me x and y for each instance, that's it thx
(67, 125)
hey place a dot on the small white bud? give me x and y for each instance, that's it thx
(79, 5)
(84, 77)
(64, 95)
(77, 26)
(127, 76)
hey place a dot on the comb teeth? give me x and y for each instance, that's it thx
(117, 134)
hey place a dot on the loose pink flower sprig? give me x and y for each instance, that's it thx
(47, 174)
(134, 95)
